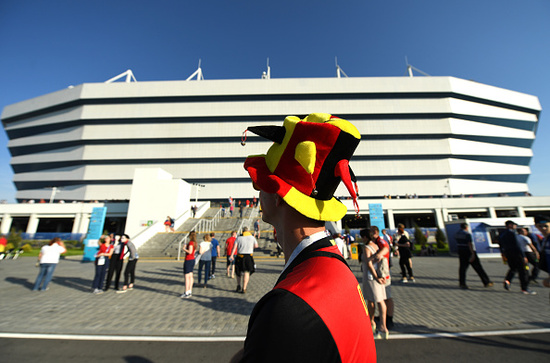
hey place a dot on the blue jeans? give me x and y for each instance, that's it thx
(206, 266)
(44, 275)
(100, 271)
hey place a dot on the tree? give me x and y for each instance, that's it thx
(440, 238)
(419, 236)
(15, 238)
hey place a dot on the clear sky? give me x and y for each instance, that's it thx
(46, 46)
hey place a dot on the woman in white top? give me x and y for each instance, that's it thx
(48, 258)
(205, 250)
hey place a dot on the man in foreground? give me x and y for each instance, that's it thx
(302, 318)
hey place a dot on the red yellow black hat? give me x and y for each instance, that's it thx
(306, 163)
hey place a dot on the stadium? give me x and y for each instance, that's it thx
(432, 149)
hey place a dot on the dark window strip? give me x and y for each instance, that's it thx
(64, 183)
(31, 167)
(38, 148)
(266, 97)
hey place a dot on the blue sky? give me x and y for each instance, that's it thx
(46, 46)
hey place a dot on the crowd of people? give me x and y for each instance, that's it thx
(238, 252)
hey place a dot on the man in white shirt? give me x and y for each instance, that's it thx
(244, 263)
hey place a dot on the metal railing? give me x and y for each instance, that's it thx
(203, 225)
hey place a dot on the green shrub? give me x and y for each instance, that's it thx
(419, 236)
(440, 238)
(15, 238)
(27, 248)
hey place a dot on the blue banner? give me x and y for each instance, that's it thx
(376, 216)
(95, 230)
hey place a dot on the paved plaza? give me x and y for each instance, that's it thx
(431, 305)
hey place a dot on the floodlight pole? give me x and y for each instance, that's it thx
(197, 73)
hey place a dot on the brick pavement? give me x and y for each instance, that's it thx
(433, 304)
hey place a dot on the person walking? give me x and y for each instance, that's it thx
(531, 253)
(467, 256)
(543, 225)
(244, 262)
(297, 179)
(215, 254)
(205, 261)
(513, 254)
(48, 258)
(190, 248)
(130, 270)
(404, 247)
(101, 263)
(229, 243)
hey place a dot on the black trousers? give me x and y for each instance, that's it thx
(115, 268)
(405, 264)
(517, 264)
(464, 255)
(532, 258)
(214, 258)
(130, 272)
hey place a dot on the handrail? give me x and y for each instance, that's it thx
(203, 225)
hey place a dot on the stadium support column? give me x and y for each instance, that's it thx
(492, 212)
(521, 212)
(32, 227)
(391, 222)
(6, 223)
(440, 222)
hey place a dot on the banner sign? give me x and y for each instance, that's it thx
(95, 230)
(376, 216)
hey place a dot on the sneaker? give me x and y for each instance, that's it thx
(188, 295)
(464, 287)
(239, 289)
(404, 280)
(489, 284)
(528, 292)
(507, 285)
(121, 291)
(183, 295)
(411, 279)
(213, 276)
(98, 291)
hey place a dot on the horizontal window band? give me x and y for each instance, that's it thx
(268, 97)
(38, 148)
(26, 185)
(39, 166)
(251, 120)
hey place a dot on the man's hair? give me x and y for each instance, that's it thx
(509, 222)
(375, 228)
(245, 229)
(400, 225)
(463, 225)
(212, 234)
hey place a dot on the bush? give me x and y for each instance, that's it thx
(440, 238)
(15, 238)
(27, 248)
(419, 236)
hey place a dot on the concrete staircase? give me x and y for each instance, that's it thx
(165, 245)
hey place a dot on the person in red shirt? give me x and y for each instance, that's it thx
(102, 264)
(189, 264)
(229, 243)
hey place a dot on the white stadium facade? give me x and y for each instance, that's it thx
(458, 147)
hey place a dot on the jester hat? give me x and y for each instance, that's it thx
(306, 163)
